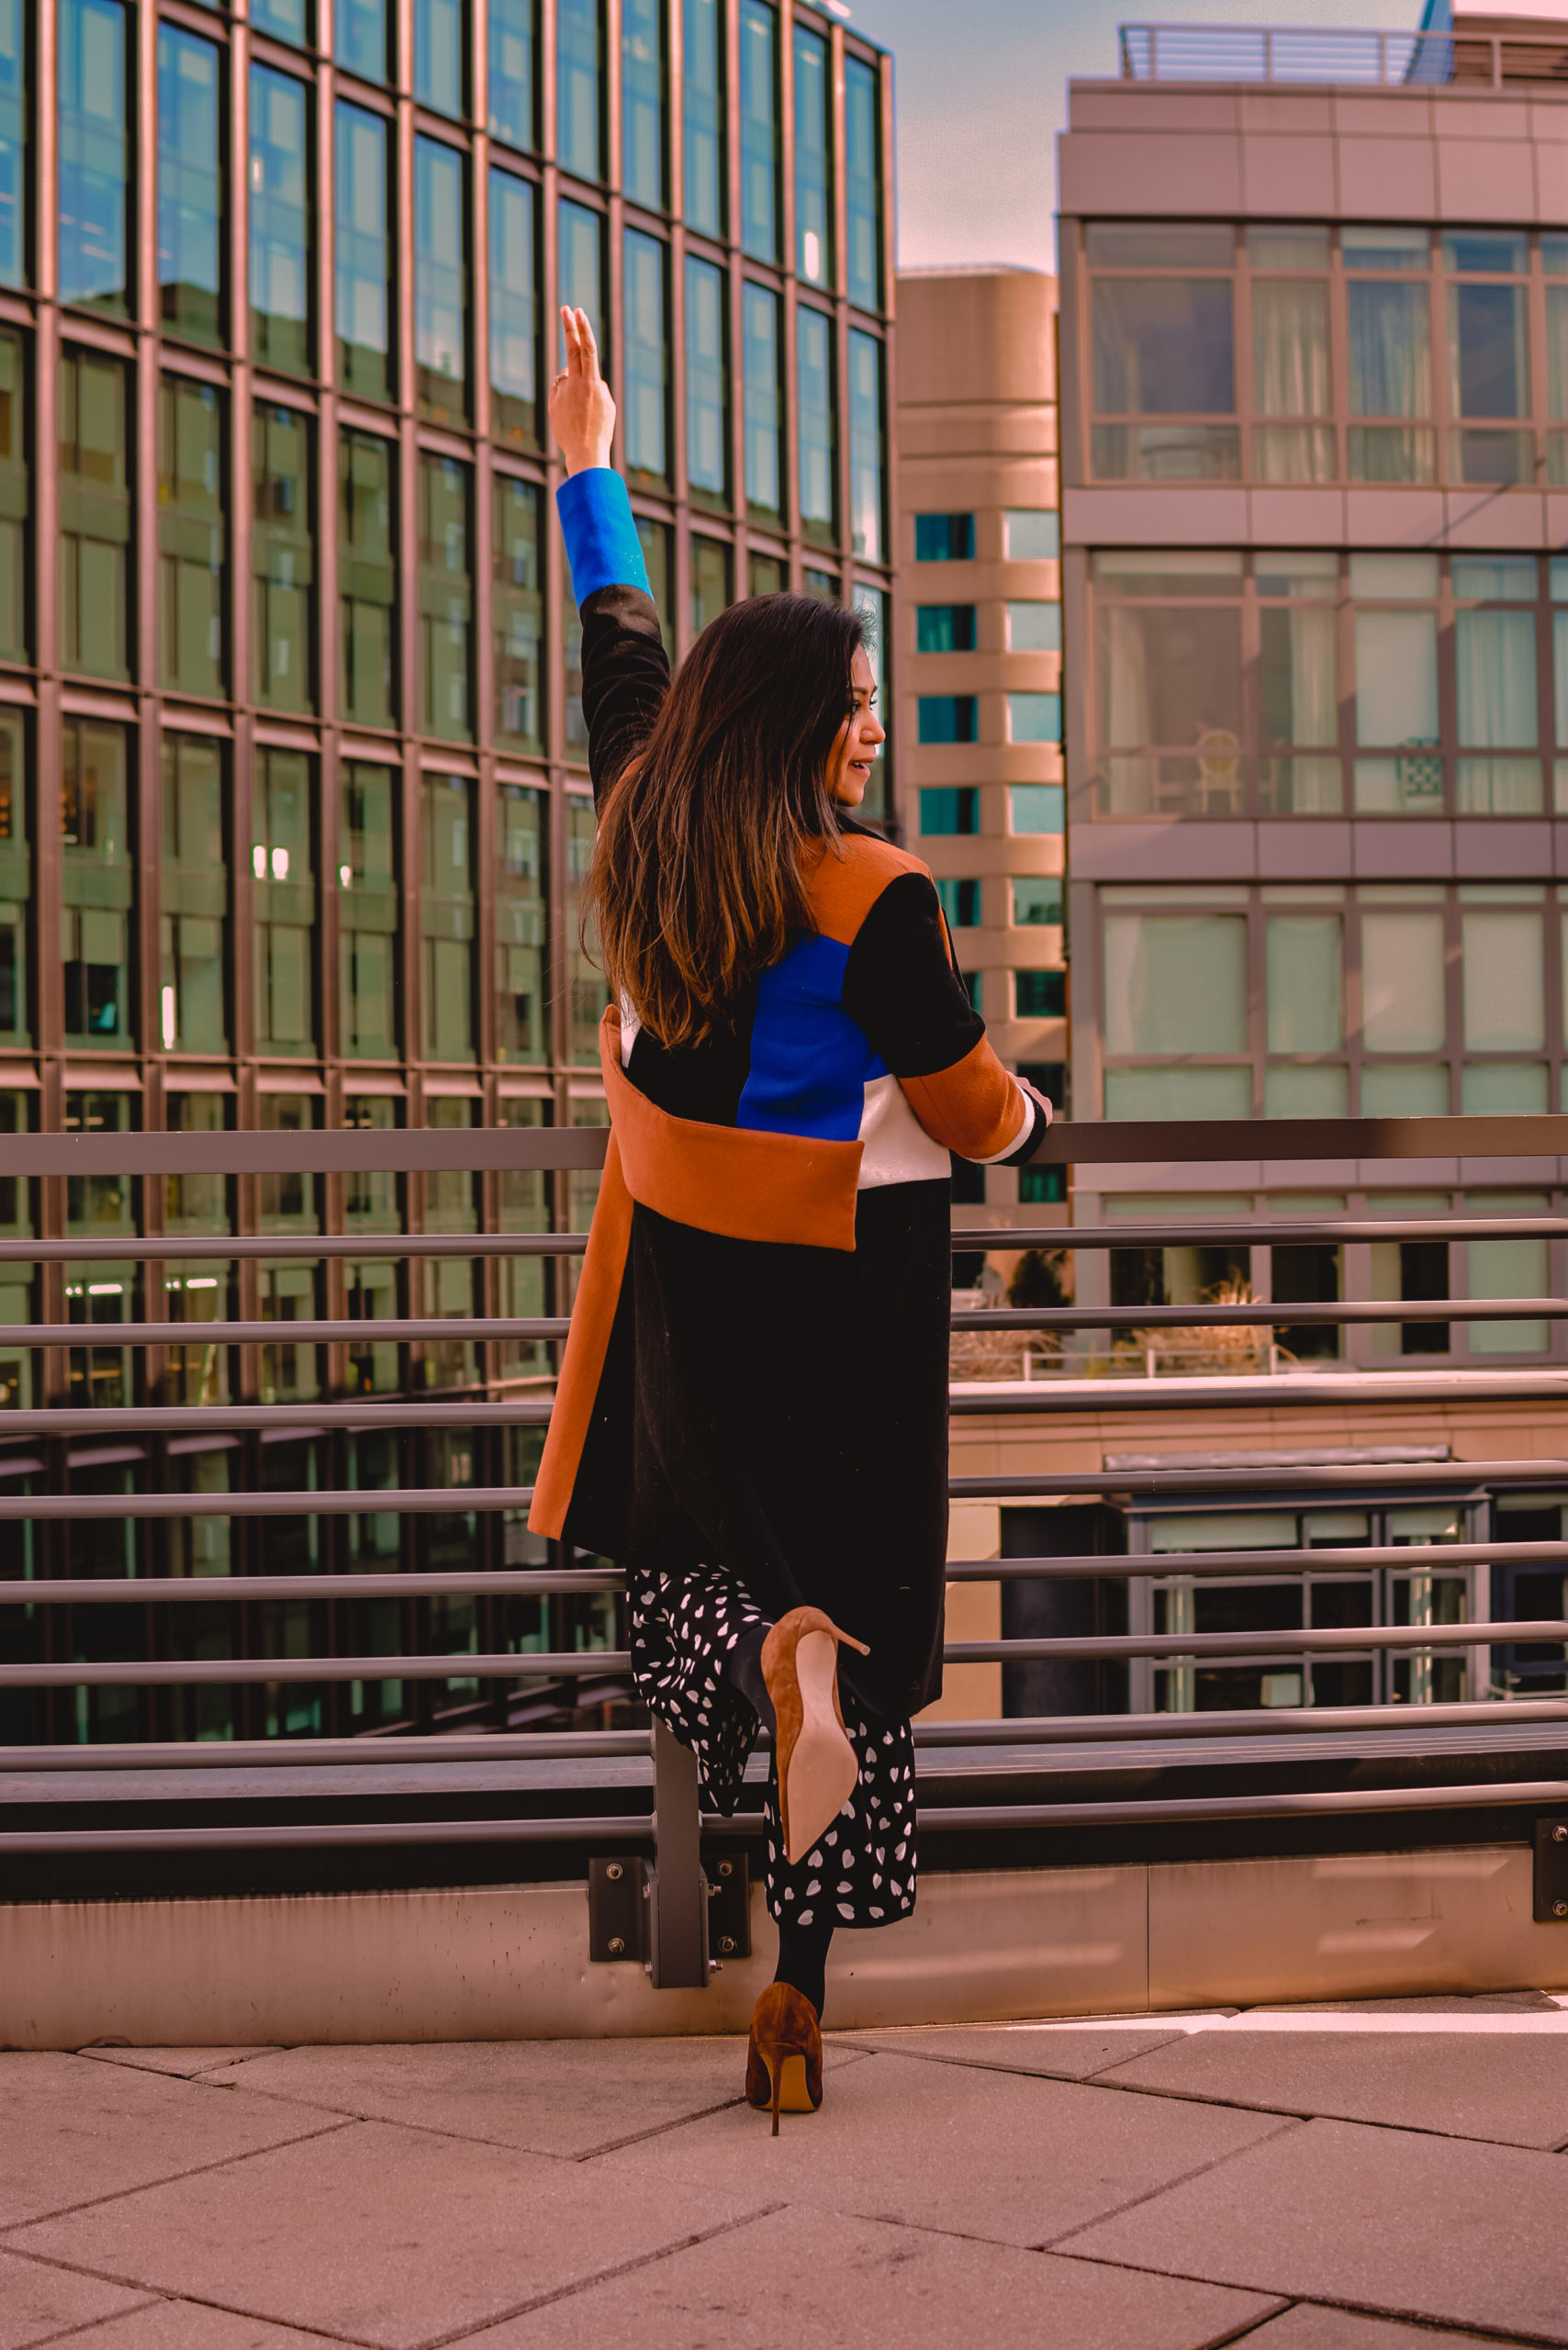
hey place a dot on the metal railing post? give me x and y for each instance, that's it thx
(677, 1893)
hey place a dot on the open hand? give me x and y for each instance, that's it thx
(582, 413)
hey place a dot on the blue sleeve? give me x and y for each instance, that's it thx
(602, 545)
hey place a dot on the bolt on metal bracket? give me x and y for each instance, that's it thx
(727, 1876)
(618, 1908)
(1551, 1871)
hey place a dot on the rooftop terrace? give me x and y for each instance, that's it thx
(1333, 54)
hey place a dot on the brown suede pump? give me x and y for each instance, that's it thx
(784, 2056)
(816, 1764)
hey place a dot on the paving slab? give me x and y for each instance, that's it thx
(1056, 2051)
(388, 2235)
(548, 2097)
(75, 2130)
(37, 2302)
(186, 2062)
(1310, 2326)
(819, 2281)
(1385, 2219)
(1509, 2087)
(973, 2151)
(1425, 2003)
(190, 2325)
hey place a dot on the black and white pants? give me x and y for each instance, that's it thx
(684, 1627)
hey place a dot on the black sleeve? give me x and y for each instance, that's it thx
(625, 680)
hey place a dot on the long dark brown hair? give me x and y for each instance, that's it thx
(699, 871)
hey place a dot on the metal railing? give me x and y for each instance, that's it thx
(1448, 1758)
(1338, 54)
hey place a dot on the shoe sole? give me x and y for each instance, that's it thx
(793, 2095)
(823, 1771)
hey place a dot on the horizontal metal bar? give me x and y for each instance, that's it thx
(537, 1664)
(409, 1501)
(1510, 1714)
(353, 1333)
(112, 1420)
(1267, 1642)
(1256, 1391)
(373, 1246)
(299, 1754)
(355, 1150)
(1306, 1477)
(631, 1828)
(1431, 1558)
(1257, 1232)
(1258, 1314)
(1496, 1795)
(1182, 1141)
(499, 1583)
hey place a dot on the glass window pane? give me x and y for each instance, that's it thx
(642, 102)
(369, 965)
(1300, 676)
(193, 883)
(813, 146)
(446, 598)
(441, 280)
(16, 890)
(280, 213)
(1168, 673)
(16, 496)
(702, 120)
(867, 492)
(95, 513)
(1402, 983)
(440, 55)
(759, 130)
(710, 581)
(97, 880)
(514, 311)
(1175, 983)
(1160, 244)
(190, 187)
(1489, 351)
(813, 402)
(285, 19)
(1030, 534)
(283, 552)
(521, 821)
(587, 993)
(581, 267)
(94, 161)
(707, 420)
(191, 535)
(1503, 972)
(518, 614)
(645, 425)
(1162, 346)
(1557, 350)
(1036, 807)
(368, 576)
(764, 406)
(1494, 666)
(1306, 1012)
(1034, 717)
(579, 103)
(1194, 1092)
(1290, 347)
(514, 53)
(1390, 354)
(14, 210)
(1037, 902)
(863, 182)
(362, 252)
(447, 917)
(659, 561)
(359, 29)
(283, 867)
(1396, 678)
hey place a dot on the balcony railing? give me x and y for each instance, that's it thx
(1024, 1786)
(1334, 54)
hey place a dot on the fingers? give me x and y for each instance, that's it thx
(589, 343)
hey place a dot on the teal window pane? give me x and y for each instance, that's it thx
(516, 613)
(654, 539)
(447, 916)
(642, 102)
(280, 221)
(521, 828)
(446, 598)
(95, 155)
(863, 182)
(813, 403)
(709, 582)
(948, 718)
(360, 32)
(702, 116)
(441, 280)
(945, 628)
(1038, 807)
(1034, 717)
(943, 538)
(514, 311)
(190, 188)
(514, 72)
(960, 901)
(581, 267)
(367, 577)
(16, 496)
(283, 557)
(948, 809)
(16, 890)
(579, 87)
(1036, 900)
(194, 886)
(813, 148)
(762, 343)
(866, 467)
(706, 421)
(13, 144)
(759, 130)
(283, 867)
(191, 535)
(363, 253)
(369, 965)
(440, 55)
(95, 513)
(285, 19)
(1039, 995)
(646, 423)
(97, 881)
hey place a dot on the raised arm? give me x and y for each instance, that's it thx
(625, 669)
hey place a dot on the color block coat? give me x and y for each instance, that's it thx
(757, 1374)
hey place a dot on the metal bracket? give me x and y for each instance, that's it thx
(727, 1876)
(1551, 1871)
(618, 1908)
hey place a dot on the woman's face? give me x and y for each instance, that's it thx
(849, 761)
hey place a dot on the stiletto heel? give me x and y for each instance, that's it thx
(784, 2055)
(815, 1761)
(775, 2066)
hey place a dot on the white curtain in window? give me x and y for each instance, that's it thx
(1505, 987)
(1175, 983)
(1495, 671)
(1290, 347)
(1396, 678)
(1402, 983)
(1390, 350)
(1301, 691)
(1306, 993)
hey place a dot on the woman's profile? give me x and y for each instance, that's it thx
(752, 1414)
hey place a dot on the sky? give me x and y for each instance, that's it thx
(982, 94)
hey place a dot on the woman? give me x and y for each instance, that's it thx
(752, 1410)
